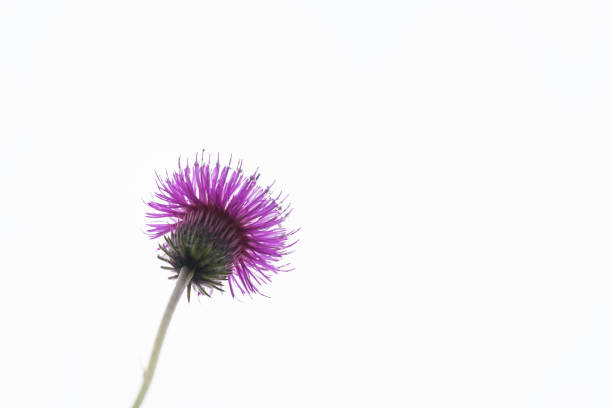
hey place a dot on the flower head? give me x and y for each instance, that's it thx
(221, 224)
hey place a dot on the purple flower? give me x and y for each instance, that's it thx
(221, 224)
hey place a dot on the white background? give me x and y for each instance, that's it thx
(448, 162)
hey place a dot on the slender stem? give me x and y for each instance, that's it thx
(183, 280)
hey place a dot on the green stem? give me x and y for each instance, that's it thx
(182, 281)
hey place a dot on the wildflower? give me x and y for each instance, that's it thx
(218, 225)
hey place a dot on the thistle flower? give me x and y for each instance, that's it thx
(220, 224)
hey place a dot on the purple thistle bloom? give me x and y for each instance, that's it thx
(220, 224)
